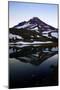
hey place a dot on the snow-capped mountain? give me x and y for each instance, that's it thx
(34, 23)
(34, 29)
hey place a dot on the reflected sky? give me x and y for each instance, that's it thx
(19, 12)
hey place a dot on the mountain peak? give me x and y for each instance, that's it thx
(35, 20)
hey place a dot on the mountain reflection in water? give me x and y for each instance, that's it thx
(31, 54)
(34, 56)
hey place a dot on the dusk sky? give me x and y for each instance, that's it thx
(19, 12)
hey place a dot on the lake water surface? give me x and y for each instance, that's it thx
(32, 66)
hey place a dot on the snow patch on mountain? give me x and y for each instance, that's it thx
(54, 34)
(35, 42)
(15, 36)
(24, 26)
